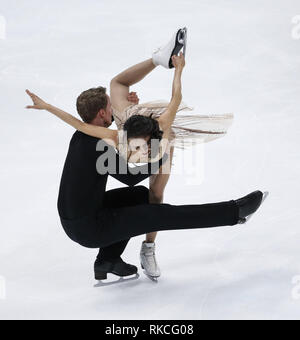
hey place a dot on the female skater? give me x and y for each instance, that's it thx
(185, 130)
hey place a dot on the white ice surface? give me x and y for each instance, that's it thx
(241, 58)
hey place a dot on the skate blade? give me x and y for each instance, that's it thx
(180, 42)
(265, 196)
(181, 37)
(184, 40)
(123, 279)
(152, 278)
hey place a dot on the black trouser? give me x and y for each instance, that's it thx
(113, 225)
(120, 198)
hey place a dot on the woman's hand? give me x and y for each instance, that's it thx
(38, 103)
(178, 61)
(133, 98)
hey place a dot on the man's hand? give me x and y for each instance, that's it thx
(38, 103)
(133, 98)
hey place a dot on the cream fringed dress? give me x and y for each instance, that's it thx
(187, 129)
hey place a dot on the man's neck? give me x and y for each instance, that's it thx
(97, 122)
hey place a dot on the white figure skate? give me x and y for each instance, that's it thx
(148, 261)
(163, 55)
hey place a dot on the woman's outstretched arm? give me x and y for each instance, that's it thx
(167, 118)
(110, 136)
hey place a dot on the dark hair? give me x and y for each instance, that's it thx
(140, 126)
(90, 102)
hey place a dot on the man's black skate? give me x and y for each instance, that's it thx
(249, 204)
(117, 267)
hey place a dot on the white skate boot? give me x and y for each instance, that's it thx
(163, 55)
(148, 261)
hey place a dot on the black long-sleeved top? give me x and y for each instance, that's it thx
(84, 178)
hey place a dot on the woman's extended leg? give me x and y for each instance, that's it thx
(119, 86)
(135, 73)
